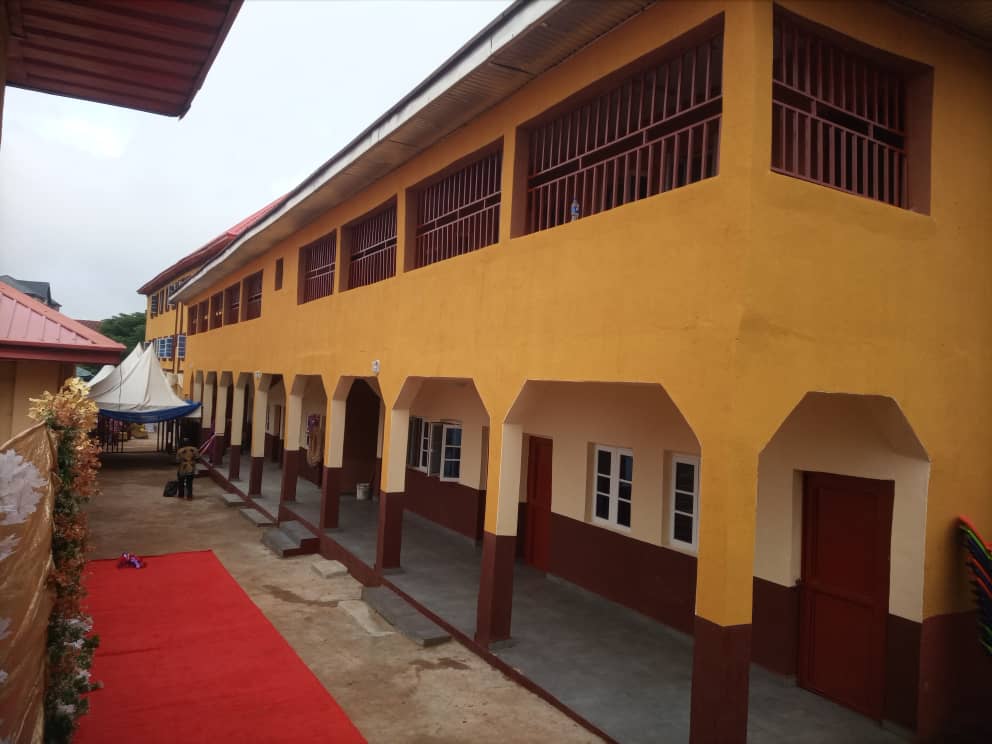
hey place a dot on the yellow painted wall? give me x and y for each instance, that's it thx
(738, 294)
(19, 382)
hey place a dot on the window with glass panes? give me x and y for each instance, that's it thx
(685, 500)
(612, 488)
(413, 442)
(451, 458)
(437, 449)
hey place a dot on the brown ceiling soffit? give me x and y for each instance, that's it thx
(81, 354)
(147, 56)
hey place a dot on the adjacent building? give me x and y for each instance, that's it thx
(39, 349)
(683, 304)
(166, 321)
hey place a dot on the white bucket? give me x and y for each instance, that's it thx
(363, 491)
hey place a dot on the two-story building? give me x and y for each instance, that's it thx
(661, 331)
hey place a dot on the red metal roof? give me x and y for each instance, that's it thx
(150, 56)
(203, 254)
(31, 330)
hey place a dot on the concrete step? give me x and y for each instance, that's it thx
(404, 617)
(256, 517)
(231, 499)
(328, 569)
(301, 533)
(290, 538)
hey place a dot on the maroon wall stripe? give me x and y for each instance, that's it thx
(775, 626)
(447, 503)
(955, 697)
(290, 473)
(234, 469)
(902, 670)
(656, 581)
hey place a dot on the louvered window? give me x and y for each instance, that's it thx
(232, 304)
(252, 293)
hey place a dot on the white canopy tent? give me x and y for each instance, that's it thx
(108, 371)
(137, 390)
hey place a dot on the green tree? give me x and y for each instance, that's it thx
(125, 328)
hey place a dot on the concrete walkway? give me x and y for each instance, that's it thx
(625, 673)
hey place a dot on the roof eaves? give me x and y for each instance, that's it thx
(513, 21)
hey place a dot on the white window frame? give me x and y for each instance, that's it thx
(424, 456)
(672, 511)
(614, 493)
(445, 428)
(181, 346)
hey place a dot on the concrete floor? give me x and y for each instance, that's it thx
(624, 672)
(394, 690)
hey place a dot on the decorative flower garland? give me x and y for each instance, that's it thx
(71, 416)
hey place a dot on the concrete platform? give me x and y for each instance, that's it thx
(326, 569)
(257, 518)
(402, 616)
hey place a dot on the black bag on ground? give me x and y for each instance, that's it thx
(171, 488)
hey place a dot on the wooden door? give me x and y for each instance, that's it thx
(538, 520)
(844, 596)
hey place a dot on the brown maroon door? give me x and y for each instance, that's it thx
(847, 527)
(538, 522)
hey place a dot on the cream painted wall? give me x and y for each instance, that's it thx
(456, 400)
(578, 415)
(277, 397)
(863, 436)
(314, 402)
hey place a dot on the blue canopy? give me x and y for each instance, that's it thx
(150, 416)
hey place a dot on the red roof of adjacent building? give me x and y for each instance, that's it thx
(31, 330)
(205, 253)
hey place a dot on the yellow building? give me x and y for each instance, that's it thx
(684, 304)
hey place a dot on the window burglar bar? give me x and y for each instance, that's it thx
(656, 131)
(232, 304)
(253, 296)
(216, 310)
(460, 213)
(204, 315)
(317, 268)
(373, 249)
(837, 119)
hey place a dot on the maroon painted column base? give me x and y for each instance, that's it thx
(205, 433)
(217, 453)
(290, 473)
(330, 498)
(375, 486)
(390, 537)
(234, 467)
(721, 662)
(255, 477)
(495, 588)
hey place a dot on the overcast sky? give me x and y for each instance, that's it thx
(97, 200)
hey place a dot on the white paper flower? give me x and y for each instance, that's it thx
(7, 546)
(4, 627)
(20, 490)
(3, 677)
(66, 710)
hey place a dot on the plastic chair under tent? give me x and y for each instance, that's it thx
(979, 565)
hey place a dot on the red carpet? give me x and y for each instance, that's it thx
(185, 656)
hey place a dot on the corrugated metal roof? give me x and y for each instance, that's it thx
(526, 40)
(204, 253)
(31, 330)
(150, 56)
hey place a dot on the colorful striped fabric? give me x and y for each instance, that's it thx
(979, 564)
